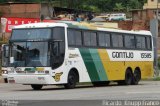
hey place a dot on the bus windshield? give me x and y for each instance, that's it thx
(31, 34)
(30, 54)
(32, 47)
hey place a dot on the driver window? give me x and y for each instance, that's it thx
(58, 47)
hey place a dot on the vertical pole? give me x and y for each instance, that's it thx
(157, 16)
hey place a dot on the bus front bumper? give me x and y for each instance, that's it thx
(31, 79)
(4, 76)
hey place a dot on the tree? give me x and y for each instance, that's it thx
(119, 7)
(93, 5)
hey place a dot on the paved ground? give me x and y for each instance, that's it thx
(146, 90)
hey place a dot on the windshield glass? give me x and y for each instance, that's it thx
(31, 34)
(30, 54)
(32, 47)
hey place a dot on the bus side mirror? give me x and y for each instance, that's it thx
(6, 51)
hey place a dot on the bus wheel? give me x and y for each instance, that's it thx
(128, 77)
(5, 80)
(36, 87)
(137, 77)
(72, 79)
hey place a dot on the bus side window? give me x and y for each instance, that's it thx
(104, 39)
(129, 41)
(90, 38)
(149, 43)
(117, 40)
(74, 37)
(140, 41)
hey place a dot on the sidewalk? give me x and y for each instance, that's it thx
(1, 79)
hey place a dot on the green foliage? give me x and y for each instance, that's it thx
(119, 7)
(93, 5)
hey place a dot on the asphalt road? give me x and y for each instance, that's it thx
(146, 90)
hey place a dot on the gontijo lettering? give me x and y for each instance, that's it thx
(122, 55)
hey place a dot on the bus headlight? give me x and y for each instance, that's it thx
(4, 72)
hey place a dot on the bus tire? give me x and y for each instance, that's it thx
(36, 86)
(128, 77)
(5, 80)
(137, 77)
(72, 80)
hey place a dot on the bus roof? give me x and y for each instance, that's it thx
(81, 25)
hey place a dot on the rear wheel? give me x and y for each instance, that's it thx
(137, 77)
(36, 87)
(128, 78)
(72, 80)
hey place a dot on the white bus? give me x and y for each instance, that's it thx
(67, 53)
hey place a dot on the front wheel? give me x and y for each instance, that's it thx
(36, 87)
(72, 80)
(5, 80)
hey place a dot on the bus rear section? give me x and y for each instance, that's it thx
(108, 55)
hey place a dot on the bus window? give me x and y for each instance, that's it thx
(129, 41)
(140, 41)
(57, 47)
(90, 38)
(58, 33)
(148, 42)
(74, 37)
(104, 39)
(71, 38)
(93, 39)
(117, 40)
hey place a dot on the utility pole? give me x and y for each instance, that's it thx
(156, 48)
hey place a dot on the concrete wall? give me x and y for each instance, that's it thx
(151, 4)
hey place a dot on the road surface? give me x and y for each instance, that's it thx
(146, 90)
